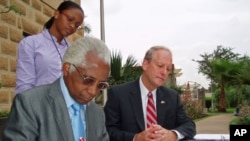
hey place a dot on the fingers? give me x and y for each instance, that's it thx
(163, 134)
(158, 133)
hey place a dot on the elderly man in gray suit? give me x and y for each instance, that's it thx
(45, 113)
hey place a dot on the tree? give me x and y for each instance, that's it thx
(242, 79)
(121, 74)
(243, 75)
(205, 67)
(223, 73)
(236, 78)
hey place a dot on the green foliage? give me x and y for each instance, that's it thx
(223, 73)
(243, 75)
(193, 108)
(234, 96)
(244, 115)
(230, 110)
(11, 8)
(121, 74)
(245, 92)
(204, 65)
(116, 65)
(226, 68)
(4, 114)
(130, 70)
(235, 121)
(177, 88)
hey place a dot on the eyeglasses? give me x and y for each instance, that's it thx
(89, 81)
(71, 20)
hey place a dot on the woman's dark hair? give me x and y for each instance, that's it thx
(63, 6)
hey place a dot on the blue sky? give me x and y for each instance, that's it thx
(188, 27)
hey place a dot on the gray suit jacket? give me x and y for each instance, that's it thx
(40, 114)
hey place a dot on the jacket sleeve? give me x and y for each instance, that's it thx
(21, 125)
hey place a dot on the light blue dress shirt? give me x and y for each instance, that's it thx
(70, 101)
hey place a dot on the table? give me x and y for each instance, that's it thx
(212, 137)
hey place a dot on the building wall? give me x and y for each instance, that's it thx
(33, 14)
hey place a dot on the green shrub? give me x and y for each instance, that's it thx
(4, 114)
(244, 115)
(194, 109)
(235, 121)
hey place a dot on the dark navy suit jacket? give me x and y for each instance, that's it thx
(124, 113)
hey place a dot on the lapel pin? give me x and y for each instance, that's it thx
(162, 102)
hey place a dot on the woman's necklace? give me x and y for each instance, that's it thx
(57, 47)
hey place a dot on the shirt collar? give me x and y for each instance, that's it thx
(47, 35)
(68, 99)
(144, 90)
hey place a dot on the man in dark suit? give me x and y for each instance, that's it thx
(127, 117)
(45, 113)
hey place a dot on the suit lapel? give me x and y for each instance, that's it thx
(135, 99)
(161, 102)
(60, 112)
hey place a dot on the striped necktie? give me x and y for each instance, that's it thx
(151, 112)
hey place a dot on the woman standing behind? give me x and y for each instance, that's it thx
(39, 58)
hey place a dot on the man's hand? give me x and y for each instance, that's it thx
(162, 134)
(156, 133)
(146, 135)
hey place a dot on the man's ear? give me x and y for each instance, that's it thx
(65, 68)
(145, 64)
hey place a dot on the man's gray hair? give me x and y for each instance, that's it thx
(76, 53)
(150, 52)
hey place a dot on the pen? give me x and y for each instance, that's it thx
(82, 139)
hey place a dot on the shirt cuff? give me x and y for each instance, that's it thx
(179, 135)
